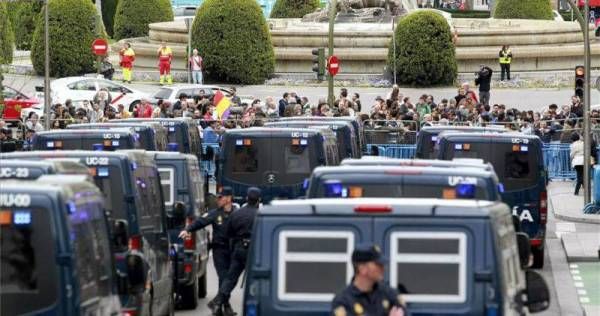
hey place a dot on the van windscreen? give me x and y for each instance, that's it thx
(292, 158)
(27, 282)
(516, 165)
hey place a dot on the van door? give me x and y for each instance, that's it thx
(309, 260)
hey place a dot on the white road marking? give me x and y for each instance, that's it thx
(574, 266)
(581, 292)
(578, 284)
(564, 228)
(584, 299)
(574, 271)
(577, 278)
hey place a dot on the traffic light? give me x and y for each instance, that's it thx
(579, 81)
(318, 62)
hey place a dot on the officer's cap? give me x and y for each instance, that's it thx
(368, 252)
(226, 191)
(253, 193)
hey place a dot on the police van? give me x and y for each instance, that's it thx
(276, 160)
(182, 133)
(183, 189)
(446, 257)
(86, 139)
(20, 169)
(388, 161)
(152, 136)
(130, 184)
(518, 161)
(355, 122)
(428, 136)
(404, 181)
(344, 132)
(55, 249)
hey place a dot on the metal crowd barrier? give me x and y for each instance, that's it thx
(210, 151)
(392, 150)
(558, 162)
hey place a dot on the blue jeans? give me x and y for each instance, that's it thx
(197, 76)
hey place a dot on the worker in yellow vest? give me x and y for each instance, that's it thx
(127, 57)
(505, 59)
(165, 55)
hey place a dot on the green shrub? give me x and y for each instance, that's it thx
(133, 16)
(424, 50)
(567, 16)
(520, 9)
(293, 8)
(72, 31)
(468, 14)
(7, 37)
(24, 22)
(233, 39)
(109, 7)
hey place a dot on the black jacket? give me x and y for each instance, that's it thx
(239, 226)
(483, 79)
(219, 219)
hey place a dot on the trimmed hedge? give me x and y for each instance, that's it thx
(468, 14)
(72, 31)
(109, 8)
(7, 37)
(233, 39)
(133, 16)
(293, 8)
(425, 53)
(520, 9)
(25, 15)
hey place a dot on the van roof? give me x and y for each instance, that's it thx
(260, 131)
(385, 207)
(85, 132)
(121, 154)
(171, 155)
(59, 165)
(497, 136)
(404, 170)
(65, 185)
(386, 161)
(438, 128)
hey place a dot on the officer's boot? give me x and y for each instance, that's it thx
(169, 79)
(162, 80)
(215, 306)
(228, 310)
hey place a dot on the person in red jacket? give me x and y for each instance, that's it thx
(165, 56)
(144, 110)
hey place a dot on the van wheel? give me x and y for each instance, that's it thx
(133, 105)
(202, 286)
(538, 257)
(188, 296)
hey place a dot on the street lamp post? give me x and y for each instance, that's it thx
(46, 66)
(332, 13)
(188, 24)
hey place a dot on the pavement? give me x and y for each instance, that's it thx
(573, 238)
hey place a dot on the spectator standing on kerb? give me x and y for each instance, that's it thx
(505, 58)
(196, 66)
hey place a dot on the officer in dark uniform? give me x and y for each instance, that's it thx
(367, 294)
(220, 244)
(239, 231)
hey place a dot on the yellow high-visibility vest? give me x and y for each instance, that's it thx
(505, 57)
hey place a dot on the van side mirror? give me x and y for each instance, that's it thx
(524, 249)
(538, 296)
(120, 235)
(136, 271)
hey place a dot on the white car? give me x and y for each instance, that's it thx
(172, 93)
(85, 88)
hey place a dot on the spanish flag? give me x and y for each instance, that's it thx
(223, 104)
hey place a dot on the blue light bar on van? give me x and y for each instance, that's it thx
(71, 208)
(172, 147)
(500, 187)
(333, 189)
(434, 138)
(22, 218)
(97, 147)
(465, 191)
(115, 143)
(305, 184)
(133, 165)
(239, 142)
(171, 129)
(102, 172)
(136, 137)
(54, 144)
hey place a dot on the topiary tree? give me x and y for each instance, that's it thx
(109, 7)
(7, 37)
(25, 15)
(424, 50)
(234, 41)
(518, 9)
(72, 31)
(293, 8)
(133, 16)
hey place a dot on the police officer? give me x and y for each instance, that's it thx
(367, 294)
(505, 58)
(239, 231)
(218, 218)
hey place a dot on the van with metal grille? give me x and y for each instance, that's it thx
(276, 160)
(86, 139)
(55, 249)
(152, 136)
(518, 161)
(130, 184)
(446, 257)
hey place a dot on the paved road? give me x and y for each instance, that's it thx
(522, 99)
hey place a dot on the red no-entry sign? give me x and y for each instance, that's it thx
(100, 47)
(333, 65)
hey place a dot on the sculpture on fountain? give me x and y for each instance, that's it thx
(362, 11)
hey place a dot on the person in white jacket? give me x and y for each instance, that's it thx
(577, 154)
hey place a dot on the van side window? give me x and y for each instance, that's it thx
(156, 197)
(313, 265)
(441, 256)
(168, 184)
(197, 190)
